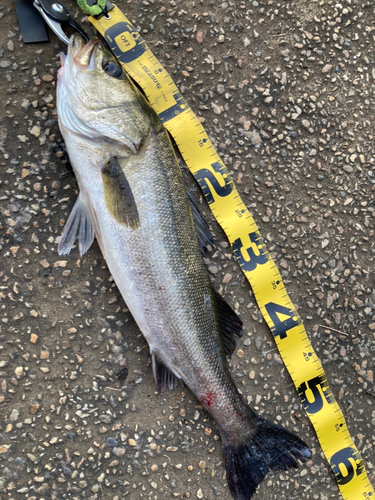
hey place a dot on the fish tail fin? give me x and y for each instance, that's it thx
(271, 448)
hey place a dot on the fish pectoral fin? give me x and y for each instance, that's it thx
(164, 377)
(118, 195)
(230, 325)
(77, 227)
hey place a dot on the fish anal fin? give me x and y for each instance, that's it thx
(230, 325)
(164, 377)
(77, 227)
(118, 195)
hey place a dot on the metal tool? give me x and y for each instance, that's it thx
(57, 17)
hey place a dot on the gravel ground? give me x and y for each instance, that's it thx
(286, 93)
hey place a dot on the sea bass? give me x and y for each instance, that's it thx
(133, 200)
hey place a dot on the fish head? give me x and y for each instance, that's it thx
(95, 97)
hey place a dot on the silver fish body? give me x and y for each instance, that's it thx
(133, 198)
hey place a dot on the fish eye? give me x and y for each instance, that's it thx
(112, 68)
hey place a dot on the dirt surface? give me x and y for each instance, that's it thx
(286, 93)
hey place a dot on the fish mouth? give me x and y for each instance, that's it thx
(83, 53)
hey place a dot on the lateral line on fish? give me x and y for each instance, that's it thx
(250, 251)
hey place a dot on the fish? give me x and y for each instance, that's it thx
(133, 200)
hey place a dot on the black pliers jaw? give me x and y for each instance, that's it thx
(57, 16)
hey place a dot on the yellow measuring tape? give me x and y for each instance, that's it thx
(250, 251)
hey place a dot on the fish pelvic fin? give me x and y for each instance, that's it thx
(77, 227)
(271, 448)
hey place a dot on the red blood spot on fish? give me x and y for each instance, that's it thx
(160, 288)
(207, 399)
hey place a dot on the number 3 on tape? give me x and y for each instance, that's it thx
(253, 259)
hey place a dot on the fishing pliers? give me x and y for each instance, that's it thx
(57, 17)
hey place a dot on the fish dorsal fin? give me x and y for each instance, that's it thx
(205, 239)
(164, 377)
(201, 227)
(77, 227)
(118, 195)
(230, 325)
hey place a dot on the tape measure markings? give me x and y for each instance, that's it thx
(249, 249)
